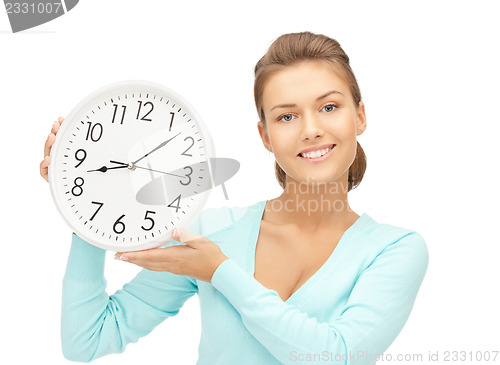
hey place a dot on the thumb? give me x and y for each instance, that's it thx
(181, 235)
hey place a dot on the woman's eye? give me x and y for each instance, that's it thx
(329, 108)
(286, 118)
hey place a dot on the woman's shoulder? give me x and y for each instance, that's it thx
(387, 237)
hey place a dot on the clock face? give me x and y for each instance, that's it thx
(130, 163)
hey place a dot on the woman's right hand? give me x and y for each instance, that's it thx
(44, 165)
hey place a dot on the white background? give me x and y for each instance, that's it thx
(428, 72)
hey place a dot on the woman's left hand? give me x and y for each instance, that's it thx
(198, 258)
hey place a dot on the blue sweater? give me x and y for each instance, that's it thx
(348, 312)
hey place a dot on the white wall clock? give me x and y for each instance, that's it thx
(130, 163)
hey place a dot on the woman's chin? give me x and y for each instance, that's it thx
(320, 178)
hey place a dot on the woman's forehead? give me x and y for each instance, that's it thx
(302, 82)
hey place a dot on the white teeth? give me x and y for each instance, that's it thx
(314, 154)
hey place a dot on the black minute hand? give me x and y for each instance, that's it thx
(157, 148)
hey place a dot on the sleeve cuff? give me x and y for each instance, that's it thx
(237, 285)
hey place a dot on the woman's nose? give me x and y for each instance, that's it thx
(311, 127)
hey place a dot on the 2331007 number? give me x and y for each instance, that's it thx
(40, 8)
(473, 356)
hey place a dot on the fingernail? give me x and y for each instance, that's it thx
(124, 258)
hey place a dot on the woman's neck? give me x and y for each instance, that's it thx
(312, 207)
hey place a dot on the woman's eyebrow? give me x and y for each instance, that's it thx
(329, 93)
(284, 106)
(318, 99)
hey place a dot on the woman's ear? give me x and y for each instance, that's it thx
(263, 135)
(361, 119)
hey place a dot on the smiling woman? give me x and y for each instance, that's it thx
(308, 116)
(309, 52)
(300, 278)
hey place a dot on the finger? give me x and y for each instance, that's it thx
(121, 256)
(45, 162)
(57, 125)
(135, 256)
(183, 236)
(168, 258)
(48, 144)
(44, 168)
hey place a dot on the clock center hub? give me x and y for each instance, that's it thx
(131, 166)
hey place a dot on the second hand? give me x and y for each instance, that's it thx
(145, 168)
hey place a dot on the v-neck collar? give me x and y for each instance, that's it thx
(256, 220)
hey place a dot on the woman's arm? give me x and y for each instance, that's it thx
(94, 324)
(376, 311)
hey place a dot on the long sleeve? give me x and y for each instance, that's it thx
(376, 310)
(94, 324)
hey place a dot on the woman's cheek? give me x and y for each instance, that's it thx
(278, 139)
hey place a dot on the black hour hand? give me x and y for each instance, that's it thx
(104, 168)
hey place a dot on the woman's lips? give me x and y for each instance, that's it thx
(317, 159)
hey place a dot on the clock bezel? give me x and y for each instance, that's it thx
(97, 95)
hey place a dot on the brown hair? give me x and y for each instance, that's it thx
(293, 48)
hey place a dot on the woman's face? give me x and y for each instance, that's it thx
(309, 106)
